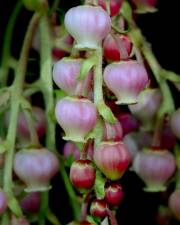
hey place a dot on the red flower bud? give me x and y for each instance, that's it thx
(112, 158)
(82, 174)
(98, 208)
(113, 194)
(115, 6)
(117, 47)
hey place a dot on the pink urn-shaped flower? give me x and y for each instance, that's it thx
(117, 47)
(112, 158)
(88, 25)
(126, 80)
(175, 123)
(76, 116)
(147, 106)
(65, 74)
(154, 168)
(3, 201)
(36, 167)
(174, 203)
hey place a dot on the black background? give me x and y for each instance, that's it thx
(162, 31)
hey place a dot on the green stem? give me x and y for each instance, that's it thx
(98, 80)
(98, 85)
(168, 103)
(16, 93)
(47, 90)
(71, 192)
(7, 43)
(46, 80)
(43, 208)
(171, 76)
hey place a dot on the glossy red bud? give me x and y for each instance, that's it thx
(113, 194)
(98, 208)
(82, 174)
(117, 47)
(112, 158)
(115, 6)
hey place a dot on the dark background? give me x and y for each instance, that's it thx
(162, 31)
